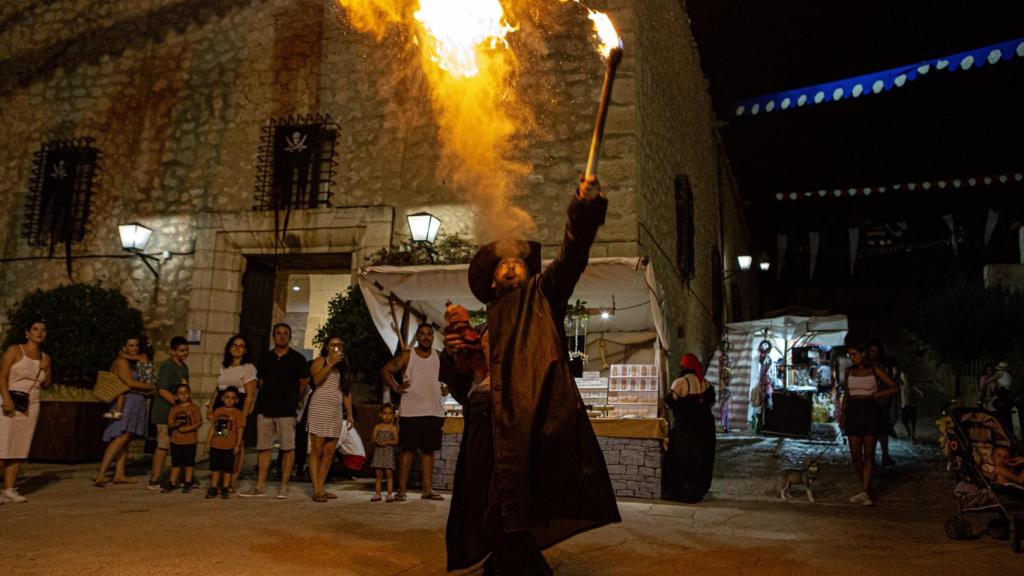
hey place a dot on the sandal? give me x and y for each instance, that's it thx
(319, 498)
(330, 496)
(99, 483)
(390, 498)
(400, 497)
(376, 498)
(431, 496)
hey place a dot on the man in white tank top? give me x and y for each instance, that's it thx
(421, 408)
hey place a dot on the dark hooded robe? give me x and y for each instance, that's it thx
(530, 467)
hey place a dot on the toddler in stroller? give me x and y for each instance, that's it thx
(978, 452)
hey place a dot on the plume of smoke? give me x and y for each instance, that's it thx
(480, 121)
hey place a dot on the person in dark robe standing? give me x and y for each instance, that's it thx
(530, 472)
(690, 459)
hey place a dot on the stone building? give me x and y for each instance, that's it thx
(178, 96)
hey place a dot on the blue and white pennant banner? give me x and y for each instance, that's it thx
(878, 82)
(924, 185)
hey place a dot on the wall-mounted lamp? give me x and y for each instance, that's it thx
(765, 265)
(423, 227)
(134, 238)
(744, 261)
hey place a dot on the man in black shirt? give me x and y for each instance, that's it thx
(282, 379)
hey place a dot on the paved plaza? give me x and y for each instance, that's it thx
(71, 528)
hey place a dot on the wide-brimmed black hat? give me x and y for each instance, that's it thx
(481, 268)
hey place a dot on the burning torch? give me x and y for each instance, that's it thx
(611, 49)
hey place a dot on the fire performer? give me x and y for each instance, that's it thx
(530, 472)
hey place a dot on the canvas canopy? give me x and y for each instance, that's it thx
(627, 282)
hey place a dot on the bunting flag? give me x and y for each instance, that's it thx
(878, 82)
(780, 252)
(854, 234)
(948, 219)
(813, 238)
(990, 224)
(914, 186)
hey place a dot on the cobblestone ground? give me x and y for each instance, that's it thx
(69, 527)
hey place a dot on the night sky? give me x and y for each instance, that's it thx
(945, 125)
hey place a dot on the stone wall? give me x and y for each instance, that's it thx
(678, 137)
(634, 465)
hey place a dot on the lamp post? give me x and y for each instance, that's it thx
(423, 229)
(134, 238)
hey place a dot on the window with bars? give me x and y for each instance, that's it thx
(296, 163)
(60, 192)
(685, 230)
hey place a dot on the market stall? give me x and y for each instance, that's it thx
(614, 331)
(775, 375)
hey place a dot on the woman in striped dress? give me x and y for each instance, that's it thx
(328, 406)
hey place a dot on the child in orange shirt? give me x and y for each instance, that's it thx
(184, 420)
(225, 441)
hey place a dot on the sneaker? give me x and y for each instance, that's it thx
(168, 488)
(211, 492)
(153, 485)
(253, 493)
(13, 496)
(225, 493)
(186, 487)
(862, 498)
(282, 493)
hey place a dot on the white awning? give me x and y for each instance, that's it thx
(428, 288)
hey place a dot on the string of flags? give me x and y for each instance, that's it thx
(878, 82)
(924, 185)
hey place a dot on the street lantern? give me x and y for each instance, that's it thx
(745, 261)
(134, 236)
(423, 227)
(764, 265)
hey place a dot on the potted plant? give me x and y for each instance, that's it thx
(86, 325)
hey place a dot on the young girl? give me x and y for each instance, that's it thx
(385, 437)
(145, 371)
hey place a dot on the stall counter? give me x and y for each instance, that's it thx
(632, 450)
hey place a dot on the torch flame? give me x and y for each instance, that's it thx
(608, 38)
(457, 28)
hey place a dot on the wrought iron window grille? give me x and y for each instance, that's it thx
(296, 163)
(60, 193)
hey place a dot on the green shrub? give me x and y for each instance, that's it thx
(86, 325)
(365, 351)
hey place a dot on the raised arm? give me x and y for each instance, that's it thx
(586, 214)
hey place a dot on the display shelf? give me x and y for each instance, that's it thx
(633, 390)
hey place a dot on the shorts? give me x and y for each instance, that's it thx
(222, 460)
(163, 437)
(420, 433)
(183, 455)
(268, 428)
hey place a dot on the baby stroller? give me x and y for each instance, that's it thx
(969, 441)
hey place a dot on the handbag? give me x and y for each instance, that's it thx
(20, 401)
(108, 386)
(350, 445)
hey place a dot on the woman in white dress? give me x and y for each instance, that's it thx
(24, 369)
(328, 405)
(239, 372)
